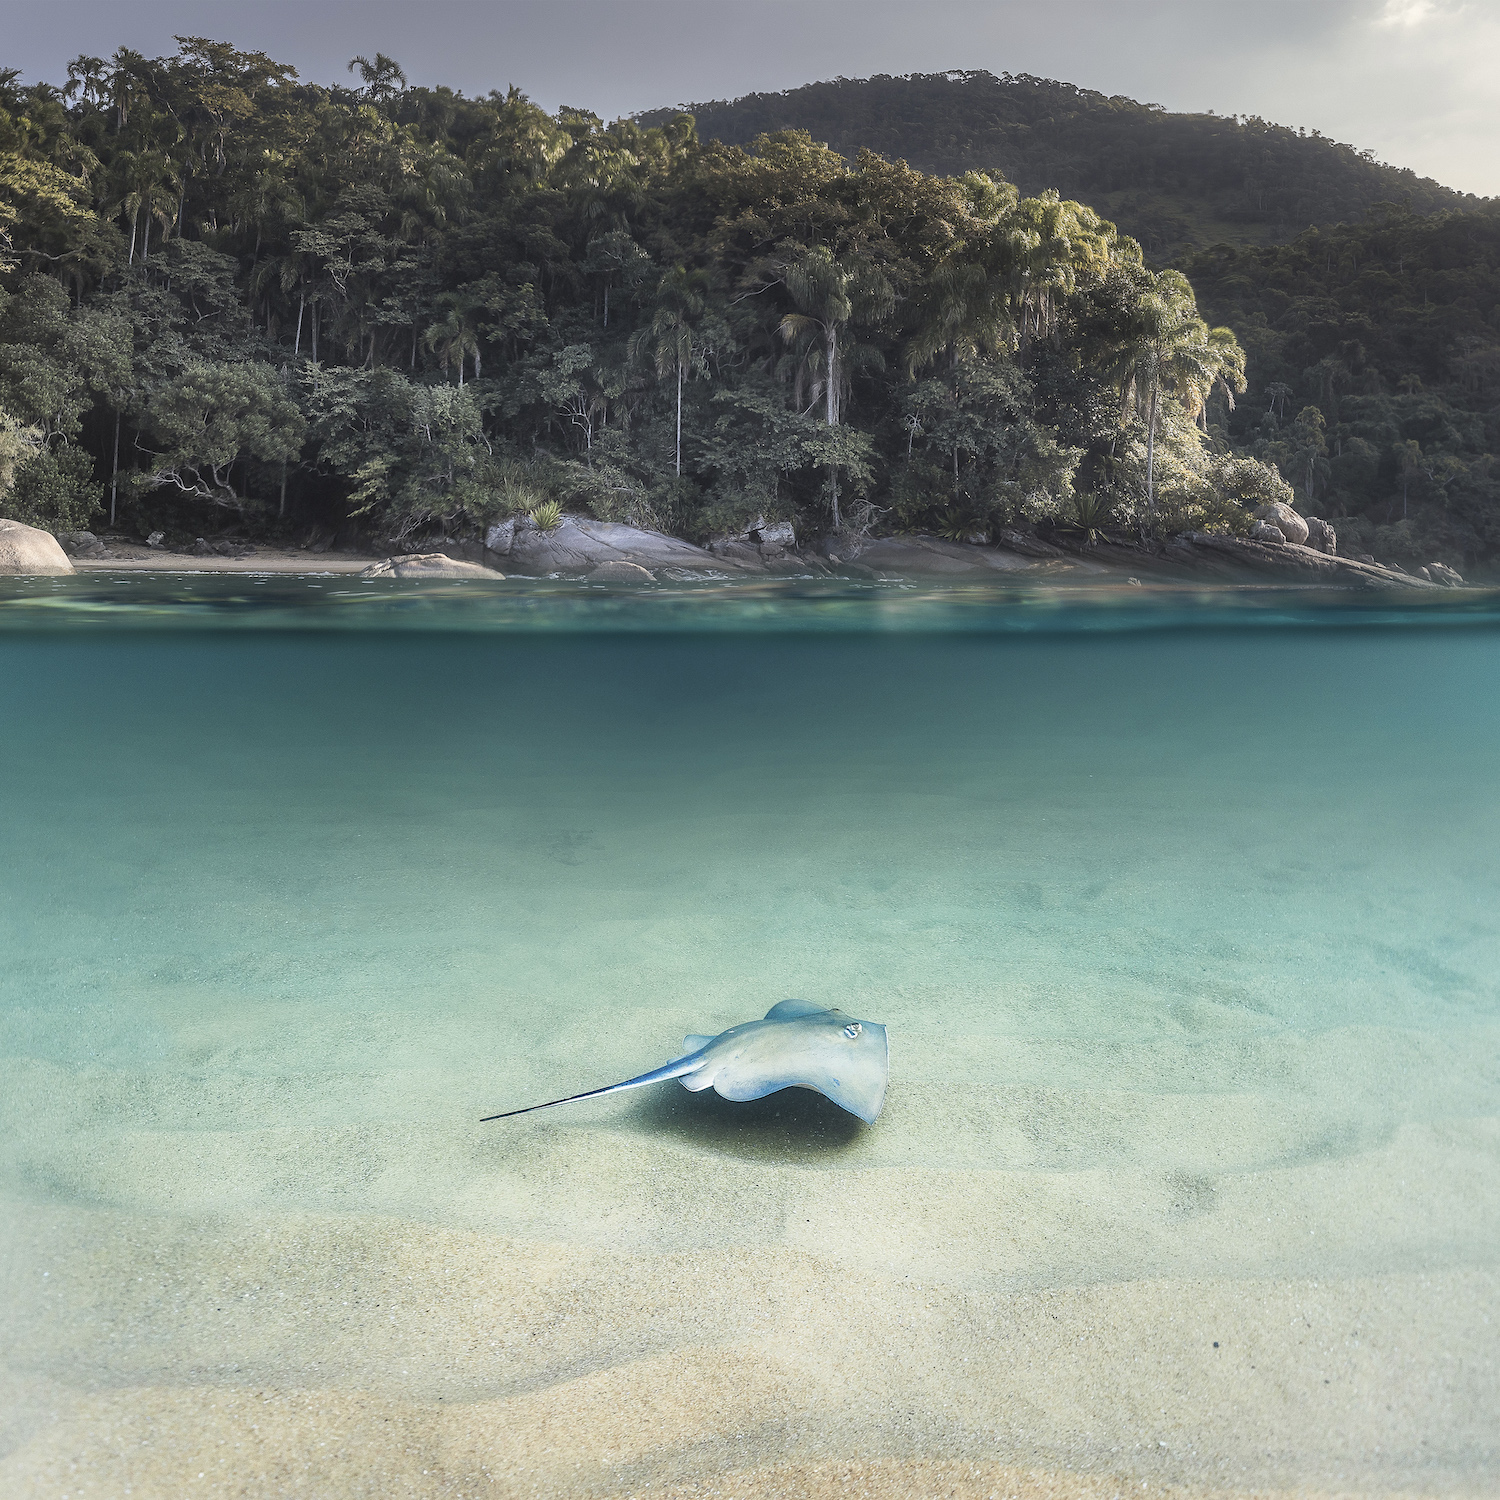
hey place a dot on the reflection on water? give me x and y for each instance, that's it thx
(1185, 937)
(340, 602)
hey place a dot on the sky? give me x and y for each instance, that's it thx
(1415, 81)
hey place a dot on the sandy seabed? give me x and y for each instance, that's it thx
(1188, 1181)
(362, 1355)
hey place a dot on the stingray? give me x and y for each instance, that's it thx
(797, 1045)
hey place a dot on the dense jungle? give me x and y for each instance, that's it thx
(233, 301)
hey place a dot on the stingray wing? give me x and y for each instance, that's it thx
(790, 1010)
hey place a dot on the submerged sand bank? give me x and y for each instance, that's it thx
(357, 1355)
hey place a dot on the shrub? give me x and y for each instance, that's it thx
(55, 489)
(547, 516)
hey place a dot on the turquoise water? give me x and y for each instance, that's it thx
(1180, 910)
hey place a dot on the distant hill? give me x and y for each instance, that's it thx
(1174, 181)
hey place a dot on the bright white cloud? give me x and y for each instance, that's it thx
(1407, 13)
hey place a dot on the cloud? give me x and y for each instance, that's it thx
(1407, 15)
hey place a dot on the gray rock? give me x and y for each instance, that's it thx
(1292, 527)
(977, 536)
(1236, 557)
(427, 565)
(201, 548)
(766, 533)
(25, 550)
(1321, 537)
(621, 572)
(1026, 544)
(156, 539)
(1263, 531)
(579, 545)
(80, 544)
(1442, 573)
(501, 537)
(934, 557)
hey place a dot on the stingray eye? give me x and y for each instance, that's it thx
(852, 1030)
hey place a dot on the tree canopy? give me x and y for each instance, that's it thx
(1173, 181)
(227, 295)
(1374, 356)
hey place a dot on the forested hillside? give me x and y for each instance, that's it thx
(1173, 181)
(1374, 357)
(229, 297)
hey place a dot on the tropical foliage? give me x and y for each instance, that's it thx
(229, 297)
(1374, 360)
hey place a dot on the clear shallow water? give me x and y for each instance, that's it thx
(1181, 912)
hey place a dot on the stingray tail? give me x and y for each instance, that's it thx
(674, 1069)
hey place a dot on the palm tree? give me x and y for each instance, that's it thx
(960, 313)
(382, 79)
(144, 179)
(454, 339)
(829, 294)
(673, 332)
(1169, 350)
(1277, 395)
(1040, 249)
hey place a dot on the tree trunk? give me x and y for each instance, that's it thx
(281, 509)
(315, 330)
(1151, 458)
(114, 473)
(831, 376)
(301, 305)
(679, 417)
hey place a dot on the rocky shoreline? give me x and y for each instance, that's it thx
(606, 552)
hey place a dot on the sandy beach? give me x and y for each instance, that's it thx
(137, 557)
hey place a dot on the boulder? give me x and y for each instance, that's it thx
(579, 545)
(766, 533)
(500, 537)
(427, 565)
(156, 539)
(1442, 573)
(80, 544)
(1292, 527)
(621, 572)
(1321, 537)
(26, 550)
(763, 546)
(1263, 531)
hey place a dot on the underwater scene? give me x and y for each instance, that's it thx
(1179, 909)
